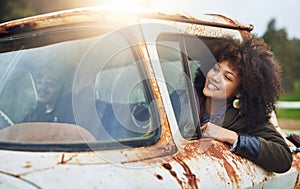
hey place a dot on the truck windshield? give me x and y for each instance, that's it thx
(76, 92)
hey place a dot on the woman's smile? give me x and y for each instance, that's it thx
(213, 86)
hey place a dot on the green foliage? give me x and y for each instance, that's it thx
(296, 85)
(290, 97)
(288, 113)
(14, 9)
(287, 53)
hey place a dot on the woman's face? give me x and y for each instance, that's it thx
(221, 81)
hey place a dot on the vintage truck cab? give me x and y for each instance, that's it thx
(85, 103)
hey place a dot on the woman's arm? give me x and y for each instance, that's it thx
(219, 133)
(262, 145)
(274, 153)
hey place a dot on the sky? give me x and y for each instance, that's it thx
(255, 12)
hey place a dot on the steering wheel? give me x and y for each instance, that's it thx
(6, 118)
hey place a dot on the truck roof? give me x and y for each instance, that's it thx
(90, 15)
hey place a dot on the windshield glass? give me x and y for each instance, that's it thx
(76, 92)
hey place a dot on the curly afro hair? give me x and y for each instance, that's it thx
(259, 73)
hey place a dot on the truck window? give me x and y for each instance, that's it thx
(101, 94)
(180, 57)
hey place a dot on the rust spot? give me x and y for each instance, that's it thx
(194, 149)
(159, 177)
(296, 164)
(20, 28)
(167, 166)
(296, 161)
(28, 165)
(192, 181)
(173, 173)
(17, 176)
(62, 159)
(265, 179)
(218, 152)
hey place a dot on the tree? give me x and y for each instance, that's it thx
(13, 9)
(285, 52)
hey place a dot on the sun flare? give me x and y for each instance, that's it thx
(165, 5)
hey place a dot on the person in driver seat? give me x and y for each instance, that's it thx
(49, 82)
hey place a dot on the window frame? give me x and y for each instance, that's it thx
(180, 38)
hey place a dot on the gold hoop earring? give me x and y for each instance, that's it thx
(236, 103)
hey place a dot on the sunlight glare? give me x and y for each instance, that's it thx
(123, 4)
(158, 5)
(169, 5)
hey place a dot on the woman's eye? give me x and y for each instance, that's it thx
(228, 78)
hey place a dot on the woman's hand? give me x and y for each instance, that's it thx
(218, 133)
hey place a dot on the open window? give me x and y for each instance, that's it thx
(180, 56)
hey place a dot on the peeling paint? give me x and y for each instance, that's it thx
(218, 152)
(159, 177)
(172, 172)
(64, 160)
(192, 181)
(296, 164)
(27, 165)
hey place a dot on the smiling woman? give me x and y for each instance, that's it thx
(244, 125)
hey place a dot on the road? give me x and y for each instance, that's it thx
(289, 126)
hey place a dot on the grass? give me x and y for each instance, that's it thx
(290, 97)
(289, 113)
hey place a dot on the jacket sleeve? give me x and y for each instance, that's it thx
(265, 147)
(247, 145)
